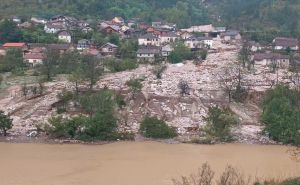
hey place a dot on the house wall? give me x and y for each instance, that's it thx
(146, 57)
(34, 62)
(65, 38)
(153, 42)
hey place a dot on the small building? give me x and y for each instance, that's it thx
(149, 40)
(109, 49)
(33, 58)
(83, 44)
(60, 47)
(166, 50)
(168, 37)
(111, 29)
(198, 42)
(185, 35)
(65, 36)
(118, 20)
(25, 25)
(254, 46)
(269, 59)
(16, 19)
(281, 43)
(36, 20)
(54, 27)
(231, 35)
(148, 54)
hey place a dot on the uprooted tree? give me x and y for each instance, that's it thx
(184, 88)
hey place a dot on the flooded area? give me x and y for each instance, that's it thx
(134, 163)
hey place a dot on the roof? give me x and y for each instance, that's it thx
(64, 33)
(230, 33)
(269, 56)
(286, 42)
(148, 51)
(109, 45)
(198, 38)
(148, 36)
(59, 46)
(14, 44)
(169, 34)
(55, 26)
(28, 56)
(84, 41)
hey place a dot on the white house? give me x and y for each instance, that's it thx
(185, 35)
(254, 46)
(166, 50)
(267, 59)
(281, 43)
(168, 37)
(53, 28)
(198, 42)
(109, 49)
(149, 40)
(33, 59)
(231, 35)
(65, 36)
(83, 44)
(148, 54)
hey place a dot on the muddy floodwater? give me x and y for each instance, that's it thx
(134, 163)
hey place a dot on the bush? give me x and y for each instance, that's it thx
(281, 114)
(219, 122)
(152, 127)
(117, 66)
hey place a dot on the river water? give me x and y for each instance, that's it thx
(134, 163)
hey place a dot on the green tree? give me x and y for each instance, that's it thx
(153, 127)
(180, 53)
(48, 68)
(92, 69)
(135, 86)
(219, 122)
(9, 32)
(5, 123)
(114, 39)
(13, 61)
(281, 114)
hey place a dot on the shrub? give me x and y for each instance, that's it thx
(152, 127)
(117, 66)
(219, 122)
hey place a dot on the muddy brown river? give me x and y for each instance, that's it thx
(134, 163)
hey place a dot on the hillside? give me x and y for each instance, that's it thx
(242, 14)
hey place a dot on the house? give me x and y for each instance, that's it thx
(25, 25)
(281, 43)
(254, 46)
(111, 29)
(161, 25)
(109, 49)
(268, 59)
(36, 20)
(149, 40)
(16, 20)
(185, 35)
(65, 36)
(148, 54)
(118, 20)
(60, 47)
(230, 35)
(51, 27)
(201, 28)
(33, 58)
(168, 37)
(166, 50)
(198, 42)
(83, 44)
(58, 18)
